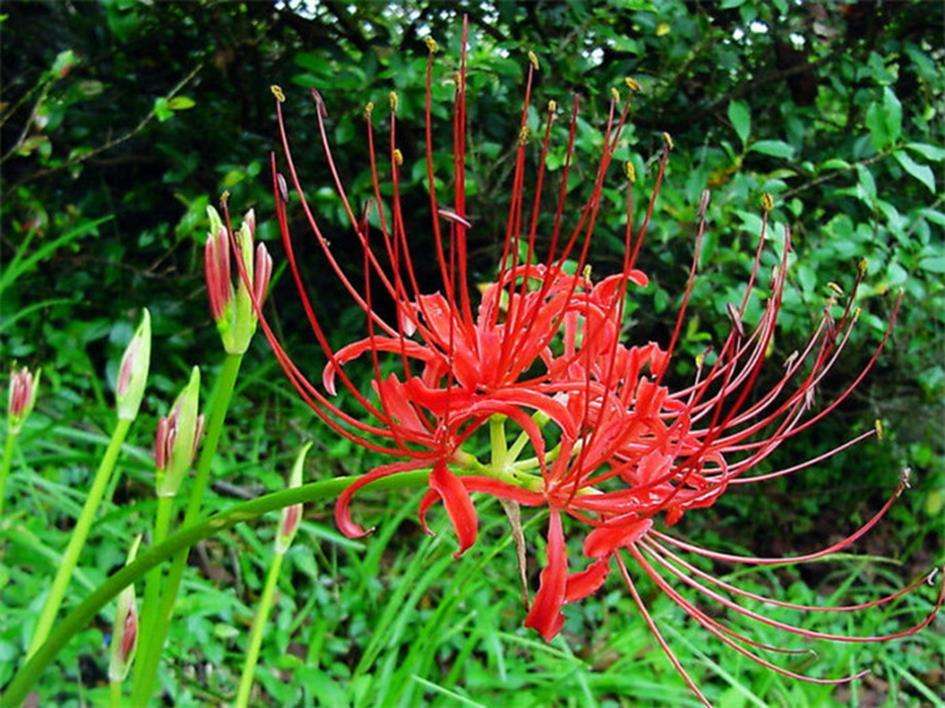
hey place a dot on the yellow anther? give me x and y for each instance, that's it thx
(767, 202)
(393, 100)
(630, 171)
(431, 44)
(368, 109)
(552, 106)
(668, 140)
(523, 135)
(700, 358)
(615, 94)
(225, 197)
(533, 58)
(633, 84)
(862, 266)
(587, 272)
(398, 157)
(836, 288)
(277, 92)
(880, 429)
(856, 313)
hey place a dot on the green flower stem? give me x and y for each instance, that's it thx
(5, 466)
(497, 441)
(256, 633)
(149, 653)
(79, 535)
(152, 586)
(179, 541)
(114, 694)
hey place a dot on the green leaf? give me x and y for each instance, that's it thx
(741, 120)
(866, 182)
(892, 110)
(181, 103)
(884, 120)
(161, 110)
(921, 172)
(775, 148)
(933, 264)
(929, 152)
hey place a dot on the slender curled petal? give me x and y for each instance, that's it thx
(459, 506)
(343, 506)
(545, 615)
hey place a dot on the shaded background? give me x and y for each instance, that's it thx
(122, 121)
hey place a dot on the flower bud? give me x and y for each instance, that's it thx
(176, 439)
(133, 372)
(232, 308)
(124, 641)
(23, 387)
(292, 515)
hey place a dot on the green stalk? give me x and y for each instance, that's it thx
(152, 585)
(5, 466)
(256, 633)
(497, 442)
(114, 694)
(179, 541)
(149, 654)
(79, 535)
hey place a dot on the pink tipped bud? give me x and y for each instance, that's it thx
(176, 438)
(216, 265)
(261, 274)
(164, 440)
(292, 515)
(133, 371)
(124, 641)
(22, 397)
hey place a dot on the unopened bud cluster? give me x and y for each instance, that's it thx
(233, 309)
(178, 434)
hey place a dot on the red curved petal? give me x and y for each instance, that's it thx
(545, 614)
(343, 505)
(459, 506)
(587, 582)
(604, 540)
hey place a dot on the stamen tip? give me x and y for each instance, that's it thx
(630, 171)
(533, 59)
(633, 84)
(398, 157)
(394, 101)
(431, 45)
(615, 94)
(880, 428)
(767, 202)
(277, 92)
(668, 141)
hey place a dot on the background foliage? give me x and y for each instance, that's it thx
(120, 118)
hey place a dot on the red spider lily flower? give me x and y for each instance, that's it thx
(616, 450)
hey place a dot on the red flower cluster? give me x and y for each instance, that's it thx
(613, 447)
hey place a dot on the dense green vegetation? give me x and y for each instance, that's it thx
(122, 121)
